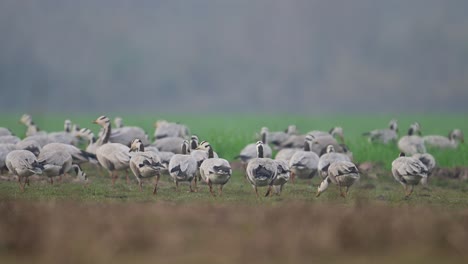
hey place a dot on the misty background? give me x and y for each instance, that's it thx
(294, 56)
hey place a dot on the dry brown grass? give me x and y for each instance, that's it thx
(67, 232)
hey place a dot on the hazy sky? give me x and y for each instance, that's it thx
(295, 56)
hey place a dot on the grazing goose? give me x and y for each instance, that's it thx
(112, 156)
(31, 145)
(408, 171)
(261, 171)
(214, 171)
(384, 136)
(283, 175)
(285, 154)
(123, 135)
(56, 162)
(23, 164)
(328, 158)
(429, 161)
(250, 151)
(80, 174)
(452, 141)
(411, 143)
(5, 132)
(341, 173)
(9, 139)
(4, 150)
(79, 156)
(183, 167)
(169, 144)
(144, 164)
(303, 163)
(164, 129)
(276, 138)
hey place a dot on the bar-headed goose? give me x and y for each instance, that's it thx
(31, 127)
(112, 156)
(384, 136)
(118, 122)
(408, 171)
(164, 129)
(250, 151)
(411, 143)
(144, 164)
(4, 150)
(213, 170)
(56, 162)
(276, 138)
(452, 141)
(335, 132)
(87, 134)
(261, 171)
(169, 144)
(23, 164)
(341, 173)
(198, 154)
(328, 158)
(66, 136)
(283, 175)
(286, 154)
(79, 156)
(183, 167)
(123, 135)
(303, 163)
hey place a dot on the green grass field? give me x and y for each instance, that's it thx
(99, 223)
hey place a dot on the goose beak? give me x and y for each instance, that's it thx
(94, 122)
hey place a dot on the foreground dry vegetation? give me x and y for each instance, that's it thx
(68, 232)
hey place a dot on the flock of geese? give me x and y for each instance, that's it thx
(179, 154)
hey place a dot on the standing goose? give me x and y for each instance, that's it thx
(23, 164)
(123, 135)
(283, 175)
(213, 170)
(65, 137)
(408, 171)
(303, 163)
(261, 171)
(144, 164)
(112, 156)
(198, 154)
(341, 173)
(452, 141)
(183, 167)
(328, 158)
(250, 151)
(4, 150)
(79, 156)
(384, 136)
(411, 143)
(56, 162)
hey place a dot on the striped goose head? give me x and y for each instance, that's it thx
(67, 126)
(102, 121)
(205, 145)
(26, 119)
(457, 134)
(137, 145)
(86, 133)
(291, 130)
(264, 133)
(308, 142)
(259, 146)
(323, 186)
(193, 142)
(185, 147)
(330, 149)
(80, 174)
(415, 128)
(393, 125)
(118, 122)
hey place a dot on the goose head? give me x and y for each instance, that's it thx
(259, 146)
(393, 125)
(330, 149)
(136, 145)
(457, 134)
(67, 126)
(193, 142)
(264, 134)
(308, 142)
(26, 119)
(80, 174)
(415, 128)
(118, 122)
(291, 130)
(102, 121)
(185, 147)
(323, 186)
(205, 145)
